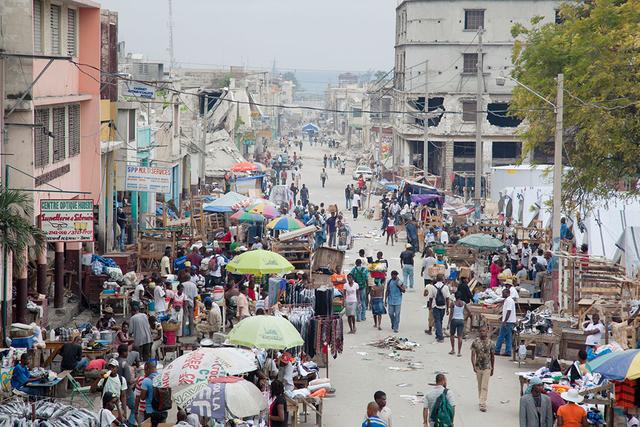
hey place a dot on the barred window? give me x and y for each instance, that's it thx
(74, 130)
(470, 62)
(55, 14)
(37, 26)
(473, 19)
(41, 138)
(59, 133)
(72, 30)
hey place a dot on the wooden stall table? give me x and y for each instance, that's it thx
(53, 348)
(98, 353)
(477, 310)
(313, 403)
(109, 299)
(573, 340)
(551, 342)
(524, 304)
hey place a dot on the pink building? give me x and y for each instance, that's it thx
(53, 134)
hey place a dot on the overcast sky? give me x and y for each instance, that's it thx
(331, 35)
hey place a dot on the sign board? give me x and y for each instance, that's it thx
(148, 179)
(140, 91)
(249, 142)
(67, 220)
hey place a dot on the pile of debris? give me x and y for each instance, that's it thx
(397, 343)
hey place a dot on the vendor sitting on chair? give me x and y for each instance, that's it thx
(21, 377)
(107, 321)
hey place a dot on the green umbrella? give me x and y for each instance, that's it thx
(481, 242)
(259, 262)
(266, 332)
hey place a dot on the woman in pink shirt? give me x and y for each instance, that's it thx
(495, 269)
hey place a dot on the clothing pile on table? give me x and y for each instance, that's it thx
(19, 412)
(317, 388)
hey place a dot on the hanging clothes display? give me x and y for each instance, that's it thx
(296, 294)
(323, 305)
(302, 318)
(328, 331)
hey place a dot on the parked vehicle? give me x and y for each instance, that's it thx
(363, 170)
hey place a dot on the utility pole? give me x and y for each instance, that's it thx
(203, 142)
(172, 58)
(425, 151)
(557, 163)
(479, 83)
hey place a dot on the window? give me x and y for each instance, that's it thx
(469, 111)
(132, 125)
(59, 133)
(505, 150)
(37, 26)
(41, 138)
(74, 130)
(356, 112)
(55, 13)
(473, 19)
(470, 62)
(72, 28)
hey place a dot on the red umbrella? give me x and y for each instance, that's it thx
(244, 167)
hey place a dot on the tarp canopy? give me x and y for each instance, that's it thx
(628, 251)
(310, 127)
(225, 203)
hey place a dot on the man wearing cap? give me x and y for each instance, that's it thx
(535, 406)
(113, 383)
(572, 414)
(406, 262)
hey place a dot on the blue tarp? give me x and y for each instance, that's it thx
(310, 127)
(224, 203)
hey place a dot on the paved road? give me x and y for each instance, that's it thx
(357, 377)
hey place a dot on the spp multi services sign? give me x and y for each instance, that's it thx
(67, 220)
(148, 179)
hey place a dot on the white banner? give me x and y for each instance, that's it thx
(67, 220)
(148, 179)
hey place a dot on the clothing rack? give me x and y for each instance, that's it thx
(328, 333)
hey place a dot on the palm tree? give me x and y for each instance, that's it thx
(16, 230)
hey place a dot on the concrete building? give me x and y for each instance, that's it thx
(445, 33)
(51, 109)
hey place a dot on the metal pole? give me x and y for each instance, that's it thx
(425, 150)
(557, 164)
(203, 177)
(478, 177)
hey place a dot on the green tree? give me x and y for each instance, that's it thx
(596, 45)
(290, 76)
(16, 230)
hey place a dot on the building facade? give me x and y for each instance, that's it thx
(436, 52)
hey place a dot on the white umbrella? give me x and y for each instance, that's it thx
(204, 365)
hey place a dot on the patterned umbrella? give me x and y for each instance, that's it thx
(285, 223)
(617, 366)
(267, 209)
(244, 216)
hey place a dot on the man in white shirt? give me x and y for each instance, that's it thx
(508, 322)
(431, 398)
(158, 299)
(525, 254)
(216, 274)
(138, 295)
(594, 330)
(380, 397)
(444, 237)
(513, 292)
(438, 295)
(427, 262)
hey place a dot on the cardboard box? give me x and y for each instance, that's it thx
(436, 269)
(465, 272)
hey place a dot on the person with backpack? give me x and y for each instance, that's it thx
(438, 294)
(157, 400)
(393, 299)
(113, 383)
(105, 415)
(439, 405)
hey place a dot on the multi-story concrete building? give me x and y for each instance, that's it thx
(446, 34)
(50, 98)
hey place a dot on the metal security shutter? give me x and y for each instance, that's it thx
(37, 26)
(59, 133)
(71, 33)
(74, 130)
(41, 138)
(55, 14)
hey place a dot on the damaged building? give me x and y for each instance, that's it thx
(436, 52)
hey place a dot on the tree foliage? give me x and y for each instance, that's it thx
(16, 229)
(596, 46)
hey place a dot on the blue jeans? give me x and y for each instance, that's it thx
(347, 202)
(394, 315)
(407, 273)
(438, 315)
(361, 311)
(505, 335)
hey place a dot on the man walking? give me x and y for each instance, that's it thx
(331, 228)
(406, 262)
(360, 275)
(535, 407)
(438, 294)
(372, 419)
(508, 322)
(347, 196)
(393, 299)
(439, 405)
(304, 195)
(482, 361)
(141, 333)
(412, 235)
(384, 412)
(355, 201)
(323, 176)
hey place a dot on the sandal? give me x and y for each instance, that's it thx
(452, 352)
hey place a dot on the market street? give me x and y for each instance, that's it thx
(356, 377)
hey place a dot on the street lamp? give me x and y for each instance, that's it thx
(558, 108)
